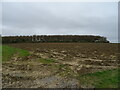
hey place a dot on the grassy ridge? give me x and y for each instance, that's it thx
(103, 79)
(8, 52)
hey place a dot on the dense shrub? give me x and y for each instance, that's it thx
(54, 38)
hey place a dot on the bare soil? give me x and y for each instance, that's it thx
(70, 61)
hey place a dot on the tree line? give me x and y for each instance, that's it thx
(54, 38)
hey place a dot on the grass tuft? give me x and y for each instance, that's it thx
(103, 79)
(46, 61)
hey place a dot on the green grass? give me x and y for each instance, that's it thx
(103, 79)
(46, 61)
(23, 53)
(8, 52)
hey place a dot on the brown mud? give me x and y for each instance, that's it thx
(70, 61)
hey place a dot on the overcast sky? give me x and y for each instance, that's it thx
(88, 18)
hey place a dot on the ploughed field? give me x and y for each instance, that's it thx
(60, 65)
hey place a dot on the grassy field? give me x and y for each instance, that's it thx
(103, 79)
(8, 52)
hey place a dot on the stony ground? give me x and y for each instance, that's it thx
(54, 68)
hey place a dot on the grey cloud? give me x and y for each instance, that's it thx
(60, 18)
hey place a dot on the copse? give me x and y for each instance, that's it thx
(54, 38)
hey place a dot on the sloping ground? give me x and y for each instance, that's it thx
(57, 68)
(104, 51)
